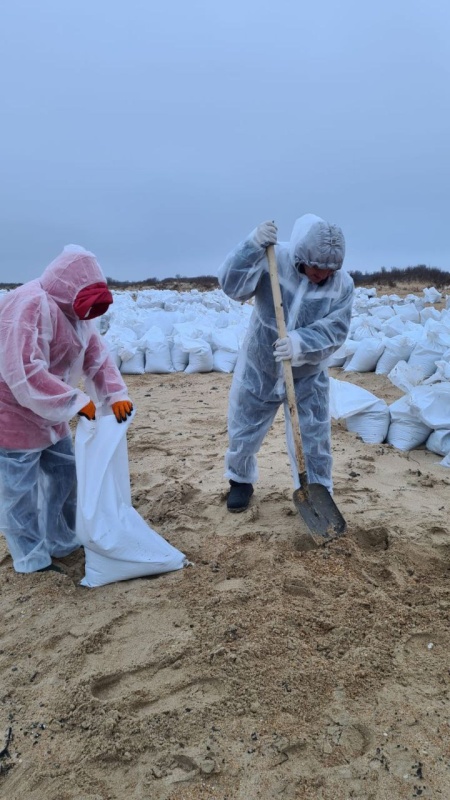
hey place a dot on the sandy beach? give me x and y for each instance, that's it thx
(267, 669)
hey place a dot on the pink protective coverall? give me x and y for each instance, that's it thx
(45, 350)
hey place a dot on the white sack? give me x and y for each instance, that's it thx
(364, 413)
(180, 358)
(406, 431)
(407, 313)
(435, 341)
(431, 295)
(224, 361)
(135, 365)
(194, 329)
(118, 543)
(225, 347)
(349, 348)
(397, 348)
(432, 404)
(393, 327)
(444, 320)
(442, 374)
(364, 327)
(429, 313)
(347, 399)
(439, 442)
(404, 376)
(339, 357)
(225, 339)
(371, 426)
(366, 356)
(156, 347)
(382, 312)
(424, 357)
(200, 355)
(126, 338)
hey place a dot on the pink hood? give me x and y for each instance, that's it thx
(73, 270)
(46, 351)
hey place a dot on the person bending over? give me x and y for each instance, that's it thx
(48, 344)
(317, 300)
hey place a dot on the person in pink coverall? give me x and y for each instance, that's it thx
(47, 345)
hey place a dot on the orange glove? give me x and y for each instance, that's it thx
(122, 409)
(88, 411)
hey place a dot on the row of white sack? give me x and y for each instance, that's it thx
(194, 337)
(422, 348)
(158, 352)
(172, 300)
(384, 320)
(384, 332)
(405, 361)
(418, 418)
(201, 312)
(143, 329)
(148, 334)
(368, 300)
(189, 350)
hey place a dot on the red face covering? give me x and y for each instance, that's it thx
(92, 301)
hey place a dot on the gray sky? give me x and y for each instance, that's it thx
(159, 134)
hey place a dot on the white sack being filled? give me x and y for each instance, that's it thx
(118, 543)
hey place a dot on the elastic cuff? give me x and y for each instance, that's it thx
(296, 344)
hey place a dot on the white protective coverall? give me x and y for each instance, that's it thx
(46, 349)
(319, 314)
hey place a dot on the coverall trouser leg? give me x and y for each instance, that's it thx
(37, 504)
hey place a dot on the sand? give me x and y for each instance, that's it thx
(267, 669)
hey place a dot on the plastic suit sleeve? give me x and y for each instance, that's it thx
(102, 371)
(240, 273)
(320, 339)
(24, 366)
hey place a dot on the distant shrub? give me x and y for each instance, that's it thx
(429, 276)
(421, 274)
(180, 283)
(115, 284)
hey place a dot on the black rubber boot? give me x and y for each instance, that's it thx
(239, 496)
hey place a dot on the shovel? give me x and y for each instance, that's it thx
(312, 500)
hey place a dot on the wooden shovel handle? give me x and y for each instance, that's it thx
(287, 365)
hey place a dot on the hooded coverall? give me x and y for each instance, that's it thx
(319, 314)
(46, 350)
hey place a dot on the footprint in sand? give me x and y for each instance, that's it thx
(149, 691)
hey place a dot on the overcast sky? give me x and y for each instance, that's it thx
(159, 134)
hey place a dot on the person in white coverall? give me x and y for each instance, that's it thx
(47, 345)
(317, 300)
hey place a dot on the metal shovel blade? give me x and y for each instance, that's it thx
(319, 512)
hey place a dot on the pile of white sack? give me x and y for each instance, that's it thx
(407, 339)
(163, 331)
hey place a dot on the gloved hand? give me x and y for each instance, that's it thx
(290, 347)
(88, 411)
(283, 349)
(265, 234)
(122, 409)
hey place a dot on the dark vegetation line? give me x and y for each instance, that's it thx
(429, 276)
